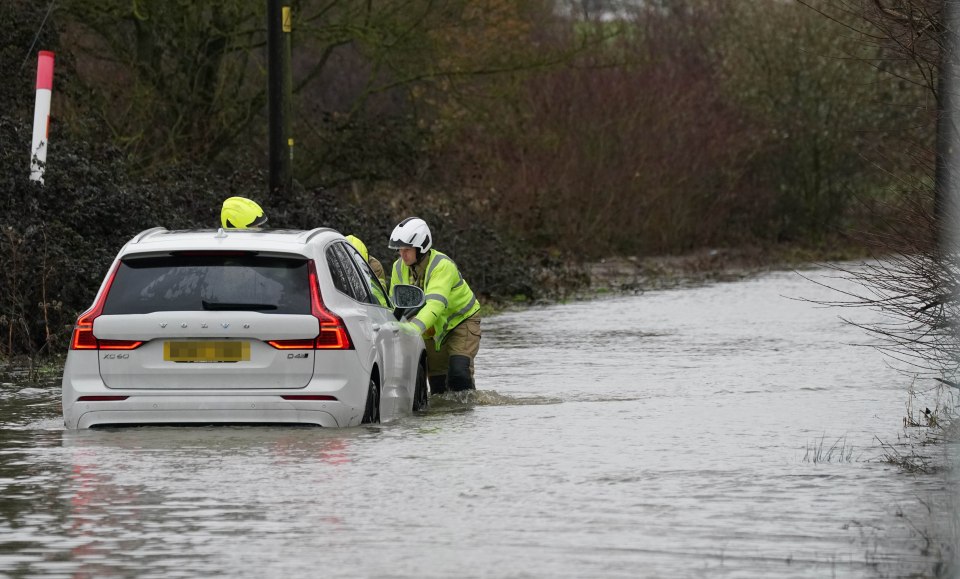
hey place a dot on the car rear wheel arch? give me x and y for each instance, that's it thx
(421, 394)
(371, 408)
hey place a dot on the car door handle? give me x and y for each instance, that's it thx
(376, 327)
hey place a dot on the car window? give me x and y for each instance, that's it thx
(376, 290)
(272, 285)
(338, 273)
(345, 276)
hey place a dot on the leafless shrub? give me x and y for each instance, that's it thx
(909, 461)
(913, 283)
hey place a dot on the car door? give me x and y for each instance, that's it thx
(375, 320)
(402, 349)
(398, 361)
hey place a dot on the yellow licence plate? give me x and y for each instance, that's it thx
(206, 351)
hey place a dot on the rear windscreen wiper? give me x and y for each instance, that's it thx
(219, 306)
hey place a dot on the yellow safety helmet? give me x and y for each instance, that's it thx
(241, 213)
(360, 247)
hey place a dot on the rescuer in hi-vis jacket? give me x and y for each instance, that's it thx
(373, 262)
(449, 320)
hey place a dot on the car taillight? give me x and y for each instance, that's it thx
(83, 333)
(214, 253)
(119, 344)
(333, 334)
(83, 338)
(292, 344)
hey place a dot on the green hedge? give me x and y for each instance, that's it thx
(58, 239)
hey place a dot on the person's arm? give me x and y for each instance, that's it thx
(395, 278)
(377, 268)
(436, 294)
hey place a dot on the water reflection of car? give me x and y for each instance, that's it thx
(243, 326)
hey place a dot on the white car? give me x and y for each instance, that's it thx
(242, 327)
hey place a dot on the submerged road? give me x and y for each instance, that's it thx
(716, 431)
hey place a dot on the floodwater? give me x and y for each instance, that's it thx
(716, 431)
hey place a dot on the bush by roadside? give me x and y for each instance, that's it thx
(58, 239)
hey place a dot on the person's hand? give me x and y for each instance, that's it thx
(410, 328)
(429, 333)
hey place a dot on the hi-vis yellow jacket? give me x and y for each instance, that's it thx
(449, 300)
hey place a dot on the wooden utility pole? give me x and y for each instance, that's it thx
(279, 93)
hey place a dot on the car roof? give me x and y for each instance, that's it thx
(281, 240)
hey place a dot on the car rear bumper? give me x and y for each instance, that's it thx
(148, 410)
(263, 406)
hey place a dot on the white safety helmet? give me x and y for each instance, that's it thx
(411, 232)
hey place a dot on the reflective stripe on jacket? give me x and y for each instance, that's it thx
(449, 300)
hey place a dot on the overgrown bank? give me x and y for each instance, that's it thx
(59, 238)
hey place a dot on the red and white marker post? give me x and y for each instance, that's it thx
(41, 115)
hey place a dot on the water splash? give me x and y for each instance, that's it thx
(451, 401)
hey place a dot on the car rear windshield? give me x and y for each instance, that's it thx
(268, 284)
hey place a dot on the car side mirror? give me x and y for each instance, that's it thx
(407, 296)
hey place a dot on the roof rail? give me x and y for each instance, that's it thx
(147, 233)
(306, 236)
